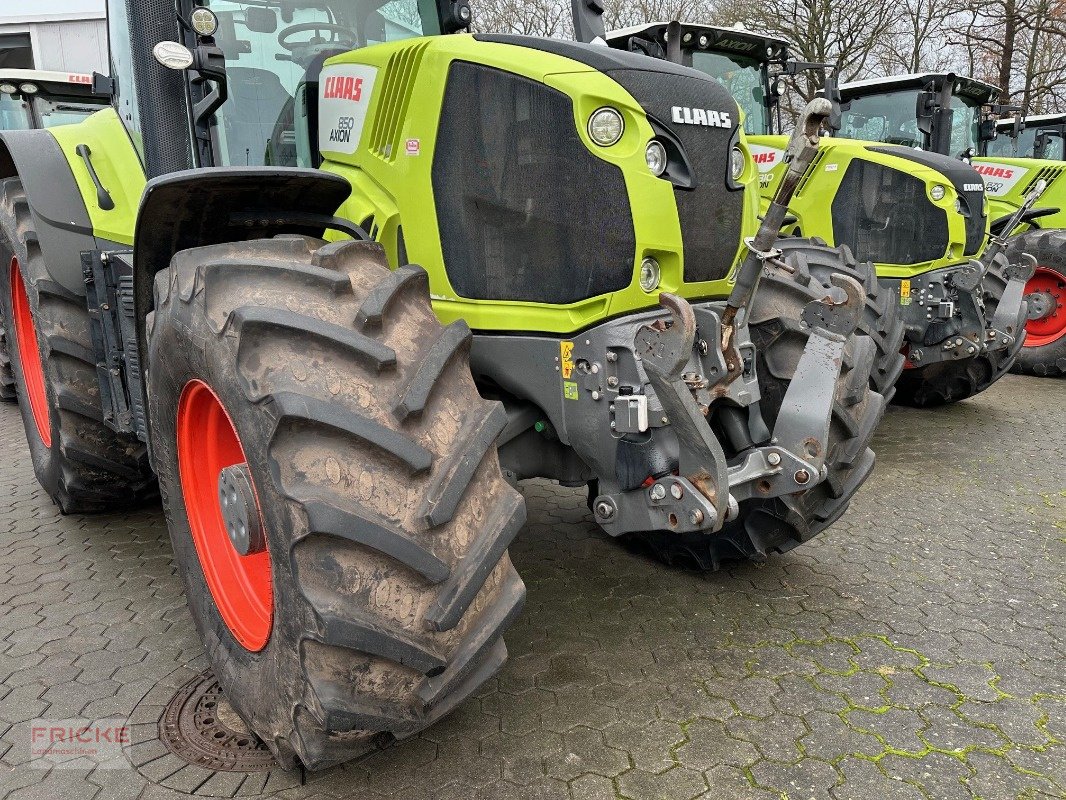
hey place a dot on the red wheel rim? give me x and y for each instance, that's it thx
(1052, 326)
(29, 355)
(240, 585)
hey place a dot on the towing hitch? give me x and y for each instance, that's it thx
(707, 489)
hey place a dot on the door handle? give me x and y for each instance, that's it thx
(103, 197)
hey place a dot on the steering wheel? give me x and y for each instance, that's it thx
(342, 36)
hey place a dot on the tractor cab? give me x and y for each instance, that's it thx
(251, 68)
(937, 112)
(748, 64)
(1040, 136)
(32, 99)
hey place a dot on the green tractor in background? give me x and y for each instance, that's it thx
(919, 217)
(956, 116)
(230, 305)
(31, 99)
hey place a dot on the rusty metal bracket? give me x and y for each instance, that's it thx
(665, 349)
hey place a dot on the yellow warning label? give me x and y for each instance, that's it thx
(566, 361)
(570, 390)
(905, 293)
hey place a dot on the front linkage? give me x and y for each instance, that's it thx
(948, 310)
(689, 375)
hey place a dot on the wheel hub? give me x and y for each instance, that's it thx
(1046, 295)
(239, 511)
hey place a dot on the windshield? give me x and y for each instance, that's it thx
(52, 113)
(743, 78)
(885, 117)
(271, 45)
(1003, 145)
(890, 117)
(14, 113)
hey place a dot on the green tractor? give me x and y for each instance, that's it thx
(955, 116)
(1039, 136)
(212, 286)
(32, 99)
(919, 217)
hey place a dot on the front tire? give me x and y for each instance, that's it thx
(82, 464)
(952, 381)
(780, 524)
(1044, 352)
(379, 601)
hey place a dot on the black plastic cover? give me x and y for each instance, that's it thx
(525, 211)
(884, 216)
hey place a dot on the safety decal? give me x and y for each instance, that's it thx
(905, 293)
(414, 147)
(570, 390)
(566, 359)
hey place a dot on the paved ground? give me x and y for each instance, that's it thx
(916, 650)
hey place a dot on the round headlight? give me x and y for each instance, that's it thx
(204, 21)
(937, 192)
(28, 88)
(736, 163)
(705, 41)
(606, 127)
(655, 155)
(650, 275)
(8, 88)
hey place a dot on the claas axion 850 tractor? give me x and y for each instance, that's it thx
(335, 431)
(920, 217)
(956, 116)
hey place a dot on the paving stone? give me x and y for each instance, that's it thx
(935, 601)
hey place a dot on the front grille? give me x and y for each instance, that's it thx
(1049, 174)
(525, 211)
(884, 216)
(711, 214)
(397, 85)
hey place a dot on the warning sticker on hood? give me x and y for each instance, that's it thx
(344, 99)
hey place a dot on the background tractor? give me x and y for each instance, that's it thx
(953, 115)
(32, 99)
(918, 216)
(335, 431)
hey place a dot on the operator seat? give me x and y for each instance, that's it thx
(257, 99)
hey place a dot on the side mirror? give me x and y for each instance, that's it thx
(923, 112)
(988, 132)
(260, 20)
(455, 15)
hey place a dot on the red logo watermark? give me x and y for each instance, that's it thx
(77, 743)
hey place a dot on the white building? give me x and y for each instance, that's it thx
(57, 35)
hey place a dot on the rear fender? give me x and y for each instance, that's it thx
(60, 217)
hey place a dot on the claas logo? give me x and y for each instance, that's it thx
(340, 87)
(764, 158)
(994, 172)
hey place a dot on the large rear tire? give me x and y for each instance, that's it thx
(379, 601)
(82, 464)
(7, 376)
(780, 524)
(1044, 352)
(952, 381)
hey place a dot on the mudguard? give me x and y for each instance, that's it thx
(199, 207)
(59, 214)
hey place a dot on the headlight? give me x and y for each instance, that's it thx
(606, 127)
(204, 21)
(736, 163)
(655, 155)
(937, 192)
(650, 275)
